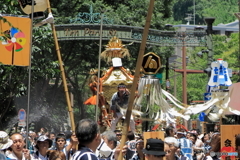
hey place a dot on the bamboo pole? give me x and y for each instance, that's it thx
(136, 77)
(99, 66)
(62, 72)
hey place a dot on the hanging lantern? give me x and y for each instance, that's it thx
(39, 7)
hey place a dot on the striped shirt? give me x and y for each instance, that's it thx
(103, 151)
(186, 147)
(85, 153)
(135, 157)
(207, 148)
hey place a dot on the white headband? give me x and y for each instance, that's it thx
(181, 133)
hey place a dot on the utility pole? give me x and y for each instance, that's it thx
(184, 74)
(194, 12)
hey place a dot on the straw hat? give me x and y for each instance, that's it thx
(5, 142)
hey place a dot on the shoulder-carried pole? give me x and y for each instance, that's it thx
(70, 110)
(136, 77)
(99, 65)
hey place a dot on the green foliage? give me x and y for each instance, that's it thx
(10, 7)
(222, 10)
(47, 93)
(228, 50)
(225, 48)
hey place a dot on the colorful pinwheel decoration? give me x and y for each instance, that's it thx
(14, 40)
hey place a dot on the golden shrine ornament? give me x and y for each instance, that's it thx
(114, 49)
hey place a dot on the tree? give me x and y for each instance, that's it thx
(11, 77)
(222, 10)
(48, 102)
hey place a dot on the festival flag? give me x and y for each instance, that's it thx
(15, 41)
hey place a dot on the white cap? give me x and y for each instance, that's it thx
(172, 140)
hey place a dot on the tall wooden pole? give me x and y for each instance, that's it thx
(184, 79)
(70, 110)
(136, 77)
(184, 75)
(99, 65)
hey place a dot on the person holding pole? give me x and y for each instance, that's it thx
(61, 144)
(89, 138)
(120, 99)
(18, 150)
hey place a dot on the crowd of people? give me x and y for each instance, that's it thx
(87, 143)
(36, 146)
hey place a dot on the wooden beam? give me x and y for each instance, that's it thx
(136, 77)
(188, 71)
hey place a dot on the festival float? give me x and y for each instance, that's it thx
(149, 90)
(219, 94)
(161, 107)
(109, 81)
